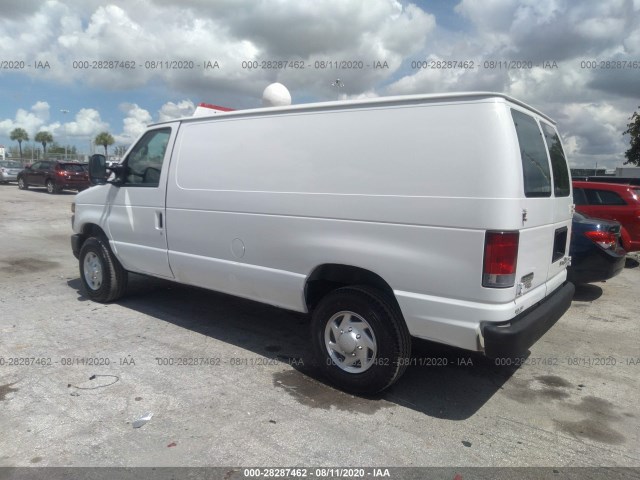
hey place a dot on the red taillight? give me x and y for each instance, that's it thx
(604, 239)
(500, 259)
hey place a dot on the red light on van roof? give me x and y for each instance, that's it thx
(215, 107)
(500, 259)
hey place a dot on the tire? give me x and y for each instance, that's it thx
(52, 187)
(22, 185)
(378, 341)
(102, 277)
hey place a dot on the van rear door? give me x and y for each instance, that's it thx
(546, 218)
(563, 203)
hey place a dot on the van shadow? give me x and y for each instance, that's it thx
(441, 382)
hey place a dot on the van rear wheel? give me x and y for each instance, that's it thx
(360, 339)
(102, 277)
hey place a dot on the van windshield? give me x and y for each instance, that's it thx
(561, 186)
(535, 164)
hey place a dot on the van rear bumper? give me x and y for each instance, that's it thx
(514, 337)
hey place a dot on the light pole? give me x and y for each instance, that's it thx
(64, 112)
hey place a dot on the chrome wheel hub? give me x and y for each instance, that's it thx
(350, 342)
(92, 268)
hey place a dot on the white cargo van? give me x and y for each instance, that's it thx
(444, 217)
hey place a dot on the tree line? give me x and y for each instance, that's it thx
(104, 139)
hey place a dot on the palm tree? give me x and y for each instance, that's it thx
(44, 138)
(105, 139)
(19, 135)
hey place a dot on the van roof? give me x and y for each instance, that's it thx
(370, 102)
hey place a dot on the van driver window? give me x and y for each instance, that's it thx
(144, 163)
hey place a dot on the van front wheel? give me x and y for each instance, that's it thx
(102, 277)
(360, 339)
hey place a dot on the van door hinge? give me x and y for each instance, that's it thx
(524, 215)
(572, 208)
(565, 261)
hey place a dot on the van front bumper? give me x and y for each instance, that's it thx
(514, 337)
(76, 243)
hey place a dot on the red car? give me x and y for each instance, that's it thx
(612, 201)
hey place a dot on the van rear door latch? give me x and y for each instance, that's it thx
(524, 284)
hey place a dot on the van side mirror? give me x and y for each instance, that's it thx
(98, 169)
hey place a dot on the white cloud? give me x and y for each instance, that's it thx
(171, 111)
(87, 123)
(134, 124)
(591, 105)
(31, 120)
(151, 32)
(593, 131)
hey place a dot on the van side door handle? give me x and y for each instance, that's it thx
(159, 222)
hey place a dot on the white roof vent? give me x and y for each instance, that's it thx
(276, 95)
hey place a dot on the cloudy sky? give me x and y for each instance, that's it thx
(573, 60)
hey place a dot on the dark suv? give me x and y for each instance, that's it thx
(55, 176)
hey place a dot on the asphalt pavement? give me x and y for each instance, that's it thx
(229, 382)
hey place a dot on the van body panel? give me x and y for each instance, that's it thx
(362, 152)
(267, 285)
(397, 253)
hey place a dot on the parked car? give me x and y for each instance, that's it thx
(9, 170)
(54, 176)
(596, 250)
(612, 201)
